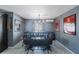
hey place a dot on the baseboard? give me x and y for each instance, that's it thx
(66, 48)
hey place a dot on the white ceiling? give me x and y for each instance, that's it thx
(33, 11)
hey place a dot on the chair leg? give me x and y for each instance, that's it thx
(27, 51)
(48, 51)
(29, 48)
(44, 49)
(32, 50)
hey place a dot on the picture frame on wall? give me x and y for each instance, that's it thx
(57, 25)
(70, 24)
(17, 24)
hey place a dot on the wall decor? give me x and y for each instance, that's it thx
(57, 25)
(17, 25)
(70, 24)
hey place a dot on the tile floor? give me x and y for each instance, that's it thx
(19, 49)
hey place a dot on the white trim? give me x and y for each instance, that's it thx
(66, 48)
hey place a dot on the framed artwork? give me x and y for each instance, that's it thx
(57, 25)
(17, 25)
(70, 24)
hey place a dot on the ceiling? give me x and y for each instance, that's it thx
(38, 11)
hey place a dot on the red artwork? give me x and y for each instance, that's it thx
(57, 25)
(70, 24)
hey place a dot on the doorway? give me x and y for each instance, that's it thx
(4, 39)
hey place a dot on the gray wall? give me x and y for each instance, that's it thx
(47, 26)
(70, 41)
(17, 34)
(29, 26)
